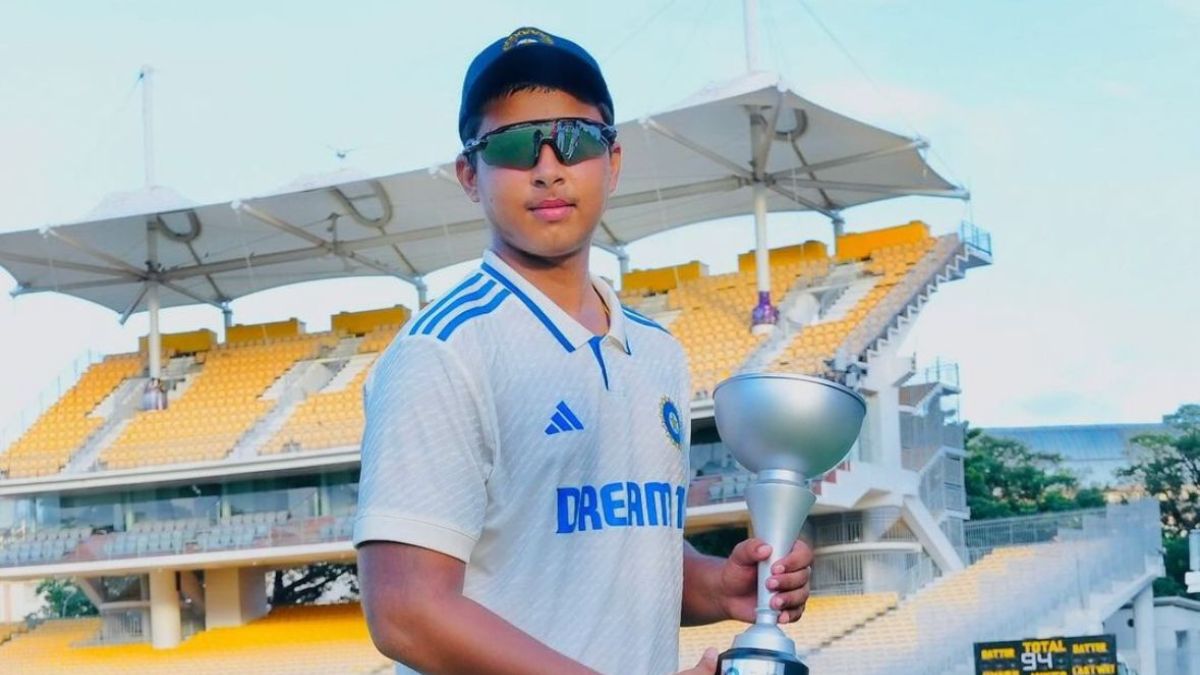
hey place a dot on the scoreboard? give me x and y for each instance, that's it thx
(1088, 655)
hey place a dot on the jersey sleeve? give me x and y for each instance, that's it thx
(426, 451)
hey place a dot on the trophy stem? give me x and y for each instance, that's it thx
(779, 503)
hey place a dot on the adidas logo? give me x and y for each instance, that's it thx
(563, 420)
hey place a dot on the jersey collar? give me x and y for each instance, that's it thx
(562, 326)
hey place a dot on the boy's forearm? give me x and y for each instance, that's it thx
(701, 588)
(458, 635)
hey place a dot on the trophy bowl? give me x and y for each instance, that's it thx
(784, 421)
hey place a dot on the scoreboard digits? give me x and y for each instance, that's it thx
(1033, 662)
(1087, 655)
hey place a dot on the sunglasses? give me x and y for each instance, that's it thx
(517, 146)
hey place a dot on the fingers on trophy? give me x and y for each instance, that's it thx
(786, 429)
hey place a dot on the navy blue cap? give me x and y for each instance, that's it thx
(534, 56)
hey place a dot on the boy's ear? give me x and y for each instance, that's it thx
(614, 163)
(467, 177)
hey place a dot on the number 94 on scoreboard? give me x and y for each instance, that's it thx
(1086, 655)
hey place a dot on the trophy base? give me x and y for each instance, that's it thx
(750, 661)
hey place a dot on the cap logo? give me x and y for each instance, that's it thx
(526, 36)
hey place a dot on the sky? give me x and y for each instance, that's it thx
(1073, 124)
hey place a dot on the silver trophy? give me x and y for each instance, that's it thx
(787, 429)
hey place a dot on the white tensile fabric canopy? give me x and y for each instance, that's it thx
(695, 162)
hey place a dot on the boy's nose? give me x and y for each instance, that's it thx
(548, 169)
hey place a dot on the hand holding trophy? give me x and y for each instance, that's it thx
(787, 429)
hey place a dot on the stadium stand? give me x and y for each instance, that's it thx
(45, 545)
(327, 419)
(879, 271)
(826, 617)
(271, 390)
(46, 446)
(1012, 591)
(188, 535)
(8, 630)
(709, 314)
(333, 417)
(885, 267)
(377, 339)
(875, 273)
(221, 404)
(313, 640)
(712, 326)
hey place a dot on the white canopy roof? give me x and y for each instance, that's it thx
(689, 164)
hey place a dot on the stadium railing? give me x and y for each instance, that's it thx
(984, 536)
(975, 237)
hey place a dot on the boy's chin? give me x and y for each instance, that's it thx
(548, 250)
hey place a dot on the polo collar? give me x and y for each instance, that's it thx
(562, 326)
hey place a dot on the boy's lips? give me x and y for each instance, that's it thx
(551, 210)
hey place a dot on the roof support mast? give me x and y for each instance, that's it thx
(765, 315)
(154, 341)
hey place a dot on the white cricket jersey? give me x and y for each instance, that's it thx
(553, 462)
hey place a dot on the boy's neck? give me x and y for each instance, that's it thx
(567, 282)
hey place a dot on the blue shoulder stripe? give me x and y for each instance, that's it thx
(442, 302)
(458, 302)
(537, 312)
(471, 314)
(637, 317)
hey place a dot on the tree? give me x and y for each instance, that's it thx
(306, 585)
(63, 600)
(1170, 471)
(1005, 478)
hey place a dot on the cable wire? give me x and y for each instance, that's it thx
(867, 76)
(639, 27)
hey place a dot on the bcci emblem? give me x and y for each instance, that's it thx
(523, 36)
(671, 421)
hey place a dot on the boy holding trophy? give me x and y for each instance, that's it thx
(525, 457)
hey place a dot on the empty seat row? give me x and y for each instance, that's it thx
(25, 552)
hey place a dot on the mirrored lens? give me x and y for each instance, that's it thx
(578, 141)
(514, 148)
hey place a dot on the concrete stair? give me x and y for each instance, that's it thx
(118, 409)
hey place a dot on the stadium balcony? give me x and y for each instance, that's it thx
(313, 640)
(43, 546)
(245, 537)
